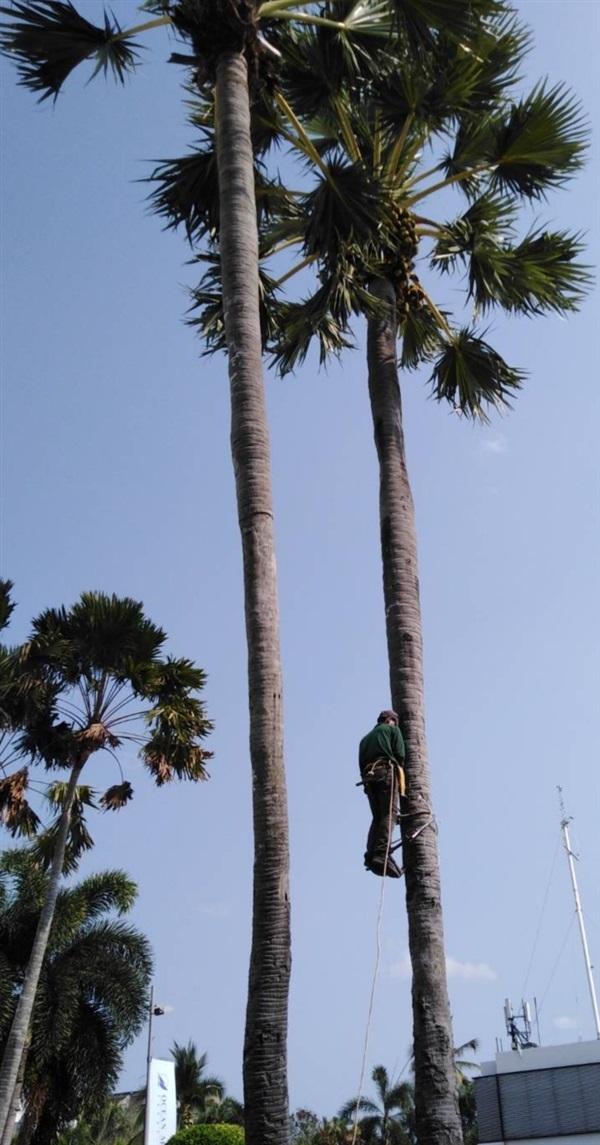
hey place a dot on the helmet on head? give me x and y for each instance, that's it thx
(389, 715)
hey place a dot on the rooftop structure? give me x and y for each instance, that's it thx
(550, 1094)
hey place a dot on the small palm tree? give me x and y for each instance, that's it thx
(388, 1118)
(91, 996)
(101, 667)
(461, 1064)
(192, 1086)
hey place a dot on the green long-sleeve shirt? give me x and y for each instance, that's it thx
(385, 740)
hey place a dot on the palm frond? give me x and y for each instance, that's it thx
(116, 796)
(96, 895)
(541, 143)
(500, 48)
(421, 337)
(208, 316)
(539, 274)
(544, 274)
(49, 38)
(100, 633)
(187, 192)
(322, 61)
(469, 162)
(472, 376)
(419, 22)
(489, 219)
(16, 814)
(479, 240)
(79, 839)
(400, 1096)
(315, 317)
(7, 604)
(343, 207)
(365, 1105)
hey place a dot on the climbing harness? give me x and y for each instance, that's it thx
(370, 775)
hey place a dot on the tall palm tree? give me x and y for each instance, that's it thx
(388, 1117)
(91, 997)
(443, 117)
(228, 53)
(191, 1084)
(374, 147)
(109, 683)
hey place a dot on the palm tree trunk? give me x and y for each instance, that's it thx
(15, 1100)
(436, 1101)
(17, 1037)
(265, 1045)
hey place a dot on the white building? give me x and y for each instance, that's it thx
(547, 1094)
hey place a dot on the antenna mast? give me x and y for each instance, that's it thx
(586, 954)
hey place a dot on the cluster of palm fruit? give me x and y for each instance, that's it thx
(409, 293)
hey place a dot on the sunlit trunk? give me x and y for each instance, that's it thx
(436, 1100)
(15, 1100)
(17, 1037)
(265, 1047)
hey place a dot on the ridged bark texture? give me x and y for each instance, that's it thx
(15, 1101)
(436, 1099)
(17, 1037)
(265, 1046)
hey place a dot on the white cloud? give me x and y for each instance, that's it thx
(464, 971)
(497, 444)
(565, 1023)
(470, 971)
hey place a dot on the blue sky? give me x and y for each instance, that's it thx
(116, 475)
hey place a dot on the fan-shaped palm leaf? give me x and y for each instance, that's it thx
(471, 375)
(542, 142)
(49, 38)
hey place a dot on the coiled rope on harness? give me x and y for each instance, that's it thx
(430, 822)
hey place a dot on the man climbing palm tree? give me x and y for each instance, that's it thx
(381, 759)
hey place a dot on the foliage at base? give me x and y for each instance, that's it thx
(209, 1135)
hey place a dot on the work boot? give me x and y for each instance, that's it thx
(392, 869)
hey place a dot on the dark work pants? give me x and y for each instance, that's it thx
(381, 786)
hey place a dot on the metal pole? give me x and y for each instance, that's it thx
(148, 1064)
(586, 954)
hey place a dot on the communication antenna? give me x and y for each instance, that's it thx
(520, 1038)
(586, 954)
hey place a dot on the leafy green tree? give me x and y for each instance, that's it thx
(308, 1129)
(468, 1112)
(218, 1109)
(209, 1135)
(101, 663)
(388, 1119)
(91, 995)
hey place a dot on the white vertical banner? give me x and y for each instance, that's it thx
(161, 1109)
